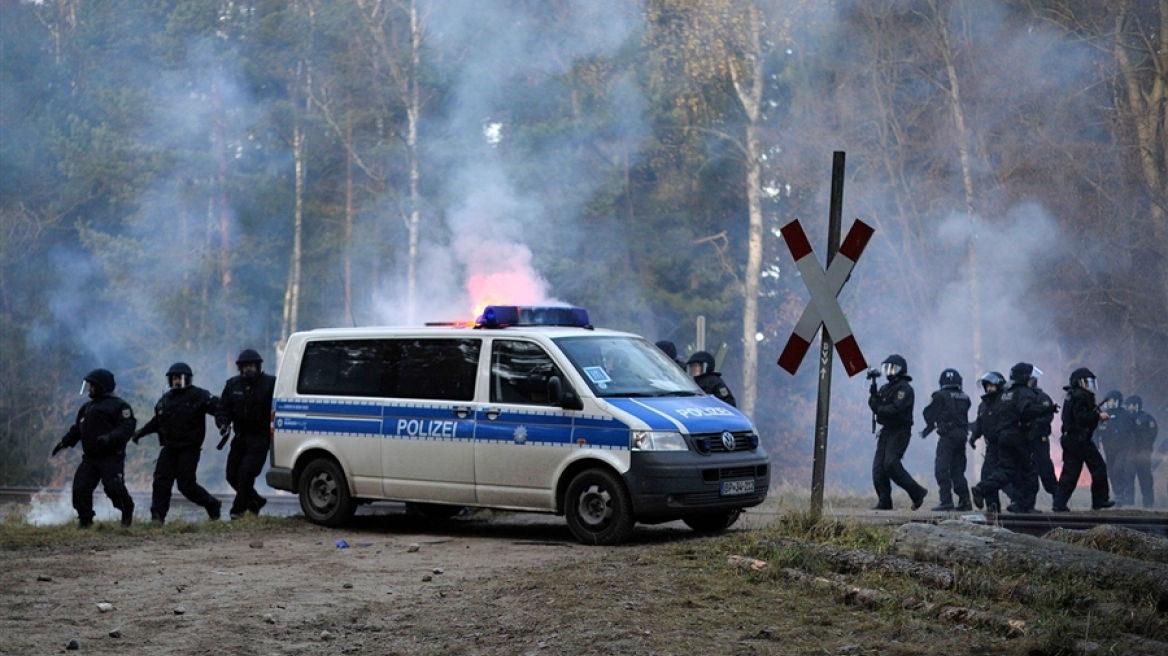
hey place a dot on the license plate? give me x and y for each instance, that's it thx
(732, 488)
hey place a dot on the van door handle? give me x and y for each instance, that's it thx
(461, 411)
(492, 413)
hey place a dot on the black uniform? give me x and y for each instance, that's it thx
(948, 413)
(1080, 416)
(103, 426)
(1015, 468)
(246, 405)
(179, 421)
(893, 405)
(1143, 438)
(1114, 439)
(1040, 438)
(711, 383)
(987, 425)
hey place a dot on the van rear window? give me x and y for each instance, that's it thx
(437, 369)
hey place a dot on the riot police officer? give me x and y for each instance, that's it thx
(1080, 417)
(892, 404)
(1114, 437)
(1015, 469)
(948, 413)
(179, 420)
(103, 426)
(1040, 438)
(670, 349)
(246, 406)
(701, 367)
(987, 425)
(1143, 433)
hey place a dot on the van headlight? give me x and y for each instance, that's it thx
(657, 441)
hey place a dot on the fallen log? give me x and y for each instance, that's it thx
(842, 559)
(954, 543)
(1117, 540)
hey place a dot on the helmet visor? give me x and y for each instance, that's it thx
(890, 369)
(1037, 373)
(1089, 384)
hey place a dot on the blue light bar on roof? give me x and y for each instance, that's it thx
(498, 316)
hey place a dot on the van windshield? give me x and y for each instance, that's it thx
(626, 366)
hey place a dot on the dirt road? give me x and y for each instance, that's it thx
(283, 586)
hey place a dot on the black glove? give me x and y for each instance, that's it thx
(103, 440)
(57, 449)
(973, 442)
(137, 436)
(225, 432)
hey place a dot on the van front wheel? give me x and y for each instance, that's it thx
(598, 508)
(324, 493)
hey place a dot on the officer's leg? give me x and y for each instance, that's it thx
(234, 460)
(250, 468)
(1100, 491)
(1045, 466)
(85, 481)
(1069, 480)
(942, 471)
(957, 471)
(1026, 481)
(1143, 470)
(896, 471)
(188, 484)
(880, 479)
(113, 480)
(164, 472)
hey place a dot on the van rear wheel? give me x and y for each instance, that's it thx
(324, 493)
(711, 523)
(598, 508)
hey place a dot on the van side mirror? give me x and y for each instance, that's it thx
(564, 398)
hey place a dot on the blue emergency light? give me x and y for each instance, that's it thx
(498, 316)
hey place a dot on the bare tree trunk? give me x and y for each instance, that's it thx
(292, 290)
(1144, 106)
(749, 93)
(963, 148)
(413, 111)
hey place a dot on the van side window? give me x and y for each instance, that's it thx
(520, 372)
(437, 369)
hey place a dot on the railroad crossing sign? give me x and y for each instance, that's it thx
(824, 308)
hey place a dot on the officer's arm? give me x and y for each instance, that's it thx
(930, 415)
(211, 405)
(73, 436)
(124, 431)
(150, 427)
(224, 408)
(723, 393)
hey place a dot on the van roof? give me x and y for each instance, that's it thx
(452, 330)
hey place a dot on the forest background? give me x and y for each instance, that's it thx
(186, 178)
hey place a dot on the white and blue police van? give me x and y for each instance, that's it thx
(529, 409)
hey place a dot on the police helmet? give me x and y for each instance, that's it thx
(249, 356)
(668, 348)
(1084, 379)
(1113, 399)
(894, 365)
(950, 378)
(102, 381)
(1021, 372)
(992, 378)
(702, 358)
(182, 370)
(1134, 403)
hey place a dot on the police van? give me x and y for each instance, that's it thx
(527, 409)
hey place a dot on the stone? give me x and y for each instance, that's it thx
(414, 546)
(116, 633)
(256, 544)
(105, 607)
(180, 610)
(325, 635)
(45, 579)
(73, 645)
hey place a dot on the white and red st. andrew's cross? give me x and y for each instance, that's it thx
(824, 309)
